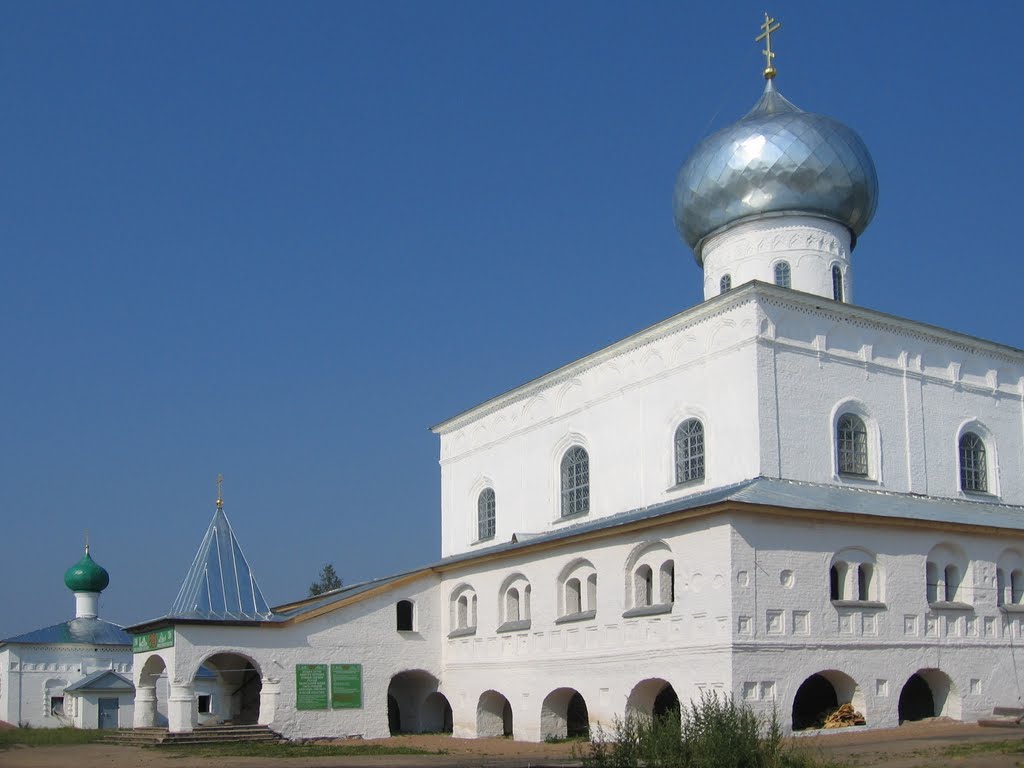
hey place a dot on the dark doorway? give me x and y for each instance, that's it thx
(577, 718)
(814, 700)
(666, 702)
(916, 700)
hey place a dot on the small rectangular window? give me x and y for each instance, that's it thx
(57, 706)
(204, 703)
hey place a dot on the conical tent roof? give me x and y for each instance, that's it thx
(219, 584)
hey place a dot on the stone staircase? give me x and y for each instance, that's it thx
(203, 734)
(1005, 717)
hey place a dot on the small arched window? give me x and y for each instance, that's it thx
(973, 466)
(575, 482)
(931, 575)
(725, 284)
(864, 575)
(689, 451)
(485, 520)
(783, 274)
(403, 616)
(837, 283)
(851, 445)
(1016, 586)
(836, 580)
(952, 577)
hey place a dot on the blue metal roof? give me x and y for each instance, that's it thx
(83, 631)
(219, 585)
(102, 680)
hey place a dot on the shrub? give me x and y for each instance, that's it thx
(714, 732)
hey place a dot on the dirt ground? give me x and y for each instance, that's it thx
(916, 745)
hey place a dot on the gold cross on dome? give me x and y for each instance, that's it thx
(220, 496)
(769, 26)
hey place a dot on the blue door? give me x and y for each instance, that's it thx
(108, 713)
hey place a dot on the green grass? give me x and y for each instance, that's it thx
(1008, 747)
(47, 737)
(251, 749)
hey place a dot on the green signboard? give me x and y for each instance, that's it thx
(311, 686)
(153, 641)
(347, 686)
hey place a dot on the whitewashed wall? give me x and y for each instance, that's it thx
(31, 674)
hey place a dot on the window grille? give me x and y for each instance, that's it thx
(973, 467)
(485, 518)
(837, 283)
(783, 274)
(689, 451)
(852, 445)
(575, 482)
(725, 284)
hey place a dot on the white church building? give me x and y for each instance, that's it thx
(776, 495)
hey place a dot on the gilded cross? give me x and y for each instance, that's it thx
(220, 496)
(769, 26)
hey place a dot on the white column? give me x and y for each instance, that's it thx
(145, 707)
(181, 708)
(269, 694)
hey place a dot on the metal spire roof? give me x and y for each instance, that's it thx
(219, 584)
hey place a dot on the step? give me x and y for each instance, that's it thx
(1001, 722)
(1008, 711)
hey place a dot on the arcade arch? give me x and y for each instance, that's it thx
(564, 715)
(821, 694)
(929, 693)
(237, 683)
(415, 705)
(493, 716)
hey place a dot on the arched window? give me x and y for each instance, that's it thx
(952, 577)
(946, 570)
(725, 284)
(853, 576)
(783, 274)
(643, 586)
(485, 507)
(463, 611)
(864, 575)
(931, 575)
(973, 466)
(403, 616)
(851, 445)
(512, 605)
(837, 283)
(837, 582)
(575, 482)
(577, 592)
(689, 451)
(1016, 586)
(667, 582)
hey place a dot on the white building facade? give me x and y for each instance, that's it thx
(775, 495)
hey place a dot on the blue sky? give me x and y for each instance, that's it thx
(279, 241)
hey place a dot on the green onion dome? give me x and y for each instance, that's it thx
(86, 576)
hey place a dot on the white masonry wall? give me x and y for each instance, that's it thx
(786, 627)
(916, 394)
(606, 658)
(623, 405)
(31, 674)
(363, 633)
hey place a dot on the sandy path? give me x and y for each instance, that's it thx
(917, 745)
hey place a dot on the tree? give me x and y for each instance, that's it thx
(328, 581)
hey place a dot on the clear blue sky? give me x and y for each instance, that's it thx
(280, 240)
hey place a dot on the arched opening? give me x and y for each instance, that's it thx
(493, 715)
(150, 691)
(929, 693)
(821, 694)
(643, 586)
(564, 715)
(416, 706)
(233, 684)
(916, 700)
(652, 698)
(437, 714)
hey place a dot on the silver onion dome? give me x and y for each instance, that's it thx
(776, 159)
